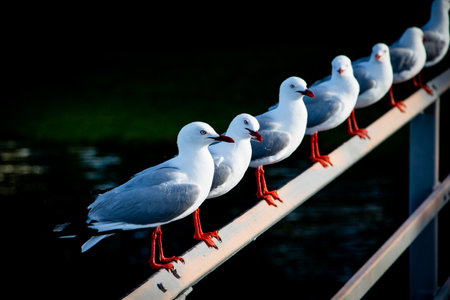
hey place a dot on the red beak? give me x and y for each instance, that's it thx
(307, 93)
(341, 70)
(377, 57)
(223, 138)
(425, 39)
(255, 135)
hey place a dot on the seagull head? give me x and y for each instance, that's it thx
(441, 6)
(380, 52)
(198, 135)
(294, 88)
(412, 36)
(341, 66)
(244, 126)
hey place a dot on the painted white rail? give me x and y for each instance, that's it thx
(201, 260)
(375, 267)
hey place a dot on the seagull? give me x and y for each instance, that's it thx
(374, 76)
(230, 163)
(408, 57)
(282, 130)
(333, 104)
(161, 194)
(436, 32)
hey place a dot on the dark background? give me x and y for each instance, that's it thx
(124, 81)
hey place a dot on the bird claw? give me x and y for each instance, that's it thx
(171, 259)
(427, 89)
(274, 195)
(269, 200)
(215, 234)
(270, 197)
(210, 243)
(362, 133)
(207, 238)
(400, 105)
(157, 266)
(324, 160)
(176, 259)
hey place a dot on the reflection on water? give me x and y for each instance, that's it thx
(320, 244)
(17, 163)
(97, 166)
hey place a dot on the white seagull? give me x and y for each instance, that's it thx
(162, 194)
(333, 104)
(436, 32)
(282, 130)
(408, 58)
(374, 76)
(230, 164)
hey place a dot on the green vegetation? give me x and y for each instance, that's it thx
(146, 96)
(124, 97)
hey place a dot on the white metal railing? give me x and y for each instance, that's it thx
(375, 267)
(201, 260)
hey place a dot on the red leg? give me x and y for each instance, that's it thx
(162, 258)
(324, 160)
(260, 192)
(313, 147)
(400, 105)
(265, 191)
(156, 234)
(199, 235)
(362, 133)
(349, 126)
(424, 86)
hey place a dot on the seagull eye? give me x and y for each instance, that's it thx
(245, 122)
(292, 86)
(202, 132)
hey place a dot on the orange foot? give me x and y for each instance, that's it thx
(324, 160)
(207, 238)
(400, 105)
(361, 132)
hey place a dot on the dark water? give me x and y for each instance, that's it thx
(311, 253)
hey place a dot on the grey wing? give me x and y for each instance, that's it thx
(433, 44)
(364, 78)
(146, 199)
(266, 122)
(273, 142)
(320, 108)
(222, 172)
(402, 59)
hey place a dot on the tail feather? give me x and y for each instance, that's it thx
(93, 241)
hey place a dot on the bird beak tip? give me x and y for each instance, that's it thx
(308, 93)
(255, 135)
(223, 138)
(258, 137)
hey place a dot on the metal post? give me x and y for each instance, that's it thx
(423, 176)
